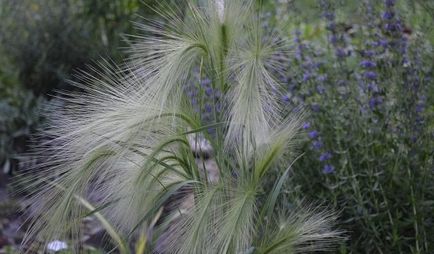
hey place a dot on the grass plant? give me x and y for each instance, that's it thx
(124, 138)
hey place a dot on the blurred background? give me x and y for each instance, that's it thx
(364, 68)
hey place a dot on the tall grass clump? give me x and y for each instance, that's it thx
(368, 78)
(199, 82)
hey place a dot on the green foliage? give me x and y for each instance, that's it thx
(46, 39)
(19, 117)
(369, 140)
(42, 43)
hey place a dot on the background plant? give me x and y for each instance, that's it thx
(368, 81)
(42, 44)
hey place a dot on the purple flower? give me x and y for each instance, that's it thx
(313, 134)
(306, 125)
(367, 64)
(297, 34)
(333, 39)
(340, 53)
(372, 103)
(342, 82)
(383, 43)
(328, 169)
(208, 91)
(420, 107)
(192, 93)
(205, 82)
(406, 62)
(315, 107)
(217, 94)
(389, 27)
(329, 15)
(375, 101)
(392, 27)
(208, 108)
(322, 78)
(218, 107)
(298, 55)
(370, 75)
(285, 98)
(306, 77)
(212, 131)
(388, 15)
(331, 26)
(320, 89)
(317, 144)
(368, 53)
(373, 87)
(325, 156)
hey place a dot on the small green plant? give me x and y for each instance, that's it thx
(131, 137)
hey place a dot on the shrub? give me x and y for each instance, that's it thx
(370, 135)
